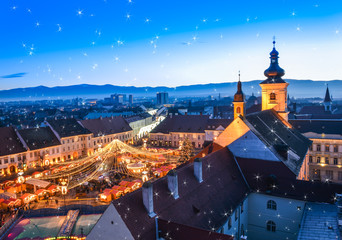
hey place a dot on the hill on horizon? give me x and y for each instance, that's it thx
(297, 89)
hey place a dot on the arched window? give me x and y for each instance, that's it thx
(271, 205)
(272, 96)
(238, 110)
(271, 226)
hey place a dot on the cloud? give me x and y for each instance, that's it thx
(14, 75)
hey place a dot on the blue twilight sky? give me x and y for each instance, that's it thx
(165, 42)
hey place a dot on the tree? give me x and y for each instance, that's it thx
(187, 151)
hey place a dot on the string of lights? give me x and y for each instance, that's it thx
(106, 160)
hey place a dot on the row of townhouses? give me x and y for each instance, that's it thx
(198, 129)
(58, 140)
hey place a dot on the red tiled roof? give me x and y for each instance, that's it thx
(68, 127)
(10, 142)
(318, 126)
(183, 123)
(106, 126)
(171, 230)
(36, 138)
(274, 178)
(278, 134)
(211, 198)
(212, 147)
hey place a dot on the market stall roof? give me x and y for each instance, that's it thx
(38, 182)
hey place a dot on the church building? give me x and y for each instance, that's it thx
(266, 134)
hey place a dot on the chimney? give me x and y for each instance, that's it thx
(172, 183)
(198, 169)
(147, 192)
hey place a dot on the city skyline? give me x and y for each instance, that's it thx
(130, 43)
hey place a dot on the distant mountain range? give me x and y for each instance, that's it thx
(297, 89)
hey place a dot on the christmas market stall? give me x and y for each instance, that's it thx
(28, 197)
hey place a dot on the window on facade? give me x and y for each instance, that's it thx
(31, 154)
(271, 226)
(335, 148)
(327, 148)
(335, 161)
(318, 148)
(339, 176)
(310, 148)
(326, 160)
(318, 159)
(236, 214)
(329, 174)
(238, 110)
(242, 207)
(230, 223)
(272, 96)
(310, 159)
(271, 205)
(12, 160)
(0, 161)
(6, 160)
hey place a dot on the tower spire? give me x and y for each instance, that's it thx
(239, 100)
(274, 72)
(327, 97)
(274, 88)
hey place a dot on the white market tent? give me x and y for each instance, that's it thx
(37, 183)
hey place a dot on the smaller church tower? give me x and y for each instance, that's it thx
(274, 88)
(239, 101)
(327, 101)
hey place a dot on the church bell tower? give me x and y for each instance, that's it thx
(239, 101)
(274, 88)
